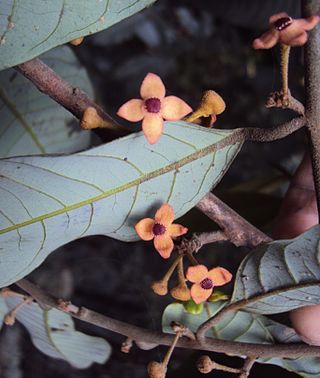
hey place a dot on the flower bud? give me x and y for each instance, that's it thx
(180, 292)
(204, 365)
(160, 287)
(156, 370)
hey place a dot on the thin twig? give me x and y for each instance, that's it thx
(248, 364)
(71, 98)
(152, 337)
(215, 319)
(239, 231)
(312, 89)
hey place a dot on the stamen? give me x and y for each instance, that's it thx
(153, 105)
(282, 23)
(158, 229)
(206, 284)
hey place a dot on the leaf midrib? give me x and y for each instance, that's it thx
(28, 129)
(149, 176)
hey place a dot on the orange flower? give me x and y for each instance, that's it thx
(161, 230)
(284, 29)
(153, 108)
(204, 281)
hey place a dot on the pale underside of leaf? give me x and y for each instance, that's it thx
(245, 327)
(46, 202)
(281, 276)
(53, 333)
(30, 121)
(28, 28)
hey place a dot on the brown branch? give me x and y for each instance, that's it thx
(151, 337)
(197, 240)
(71, 98)
(312, 89)
(239, 231)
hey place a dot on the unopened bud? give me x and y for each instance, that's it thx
(211, 103)
(204, 365)
(76, 41)
(9, 319)
(156, 370)
(181, 293)
(160, 287)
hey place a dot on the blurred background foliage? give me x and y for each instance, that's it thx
(193, 46)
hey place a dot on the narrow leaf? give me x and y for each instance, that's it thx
(46, 202)
(53, 333)
(245, 327)
(30, 27)
(30, 122)
(281, 276)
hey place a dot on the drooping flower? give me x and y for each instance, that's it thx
(204, 281)
(161, 230)
(153, 108)
(286, 30)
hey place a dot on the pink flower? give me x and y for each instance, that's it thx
(153, 108)
(204, 281)
(286, 30)
(161, 230)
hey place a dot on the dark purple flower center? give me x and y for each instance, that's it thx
(158, 229)
(282, 23)
(153, 105)
(206, 284)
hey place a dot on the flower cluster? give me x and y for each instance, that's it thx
(161, 230)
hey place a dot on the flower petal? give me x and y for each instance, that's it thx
(165, 215)
(219, 276)
(267, 40)
(307, 23)
(144, 228)
(197, 273)
(152, 126)
(173, 108)
(152, 86)
(198, 294)
(296, 40)
(164, 245)
(132, 110)
(177, 230)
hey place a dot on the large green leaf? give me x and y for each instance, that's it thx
(30, 27)
(47, 201)
(245, 327)
(53, 333)
(281, 276)
(30, 122)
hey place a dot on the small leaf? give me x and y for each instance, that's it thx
(281, 276)
(32, 123)
(52, 332)
(29, 28)
(244, 327)
(46, 202)
(193, 308)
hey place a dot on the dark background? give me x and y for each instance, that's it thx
(193, 46)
